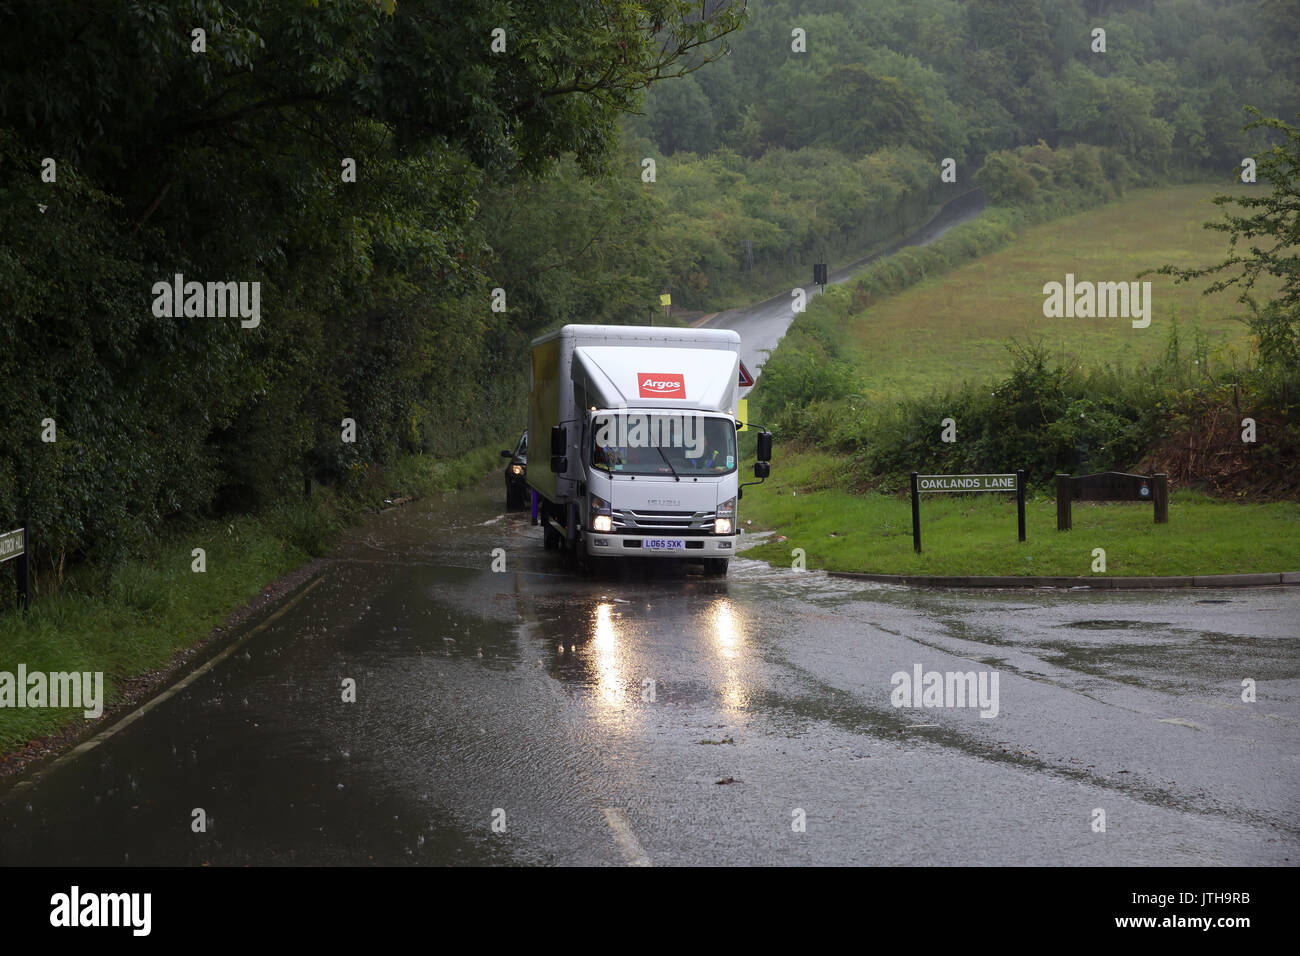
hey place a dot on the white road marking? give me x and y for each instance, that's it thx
(626, 839)
(1181, 722)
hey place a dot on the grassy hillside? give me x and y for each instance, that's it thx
(953, 328)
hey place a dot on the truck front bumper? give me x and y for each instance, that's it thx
(660, 546)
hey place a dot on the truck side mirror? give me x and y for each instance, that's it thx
(764, 446)
(506, 453)
(762, 469)
(559, 464)
(559, 441)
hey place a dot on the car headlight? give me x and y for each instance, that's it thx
(602, 516)
(516, 469)
(725, 518)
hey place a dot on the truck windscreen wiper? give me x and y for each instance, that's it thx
(668, 463)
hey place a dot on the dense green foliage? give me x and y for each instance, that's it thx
(227, 164)
(964, 79)
(794, 206)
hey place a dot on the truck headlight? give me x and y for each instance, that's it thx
(602, 516)
(725, 518)
(516, 469)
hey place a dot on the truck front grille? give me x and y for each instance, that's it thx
(666, 522)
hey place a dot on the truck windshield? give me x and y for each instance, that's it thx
(636, 443)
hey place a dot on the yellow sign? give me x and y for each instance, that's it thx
(742, 412)
(665, 299)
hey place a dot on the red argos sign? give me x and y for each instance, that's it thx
(661, 384)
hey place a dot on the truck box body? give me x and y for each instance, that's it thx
(649, 415)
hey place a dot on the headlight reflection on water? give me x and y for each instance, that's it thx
(609, 680)
(721, 626)
(729, 643)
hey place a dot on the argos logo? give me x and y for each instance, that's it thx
(662, 384)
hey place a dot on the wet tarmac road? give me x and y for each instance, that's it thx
(524, 697)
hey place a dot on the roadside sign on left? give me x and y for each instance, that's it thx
(13, 544)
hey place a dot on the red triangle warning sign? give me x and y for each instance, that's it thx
(746, 380)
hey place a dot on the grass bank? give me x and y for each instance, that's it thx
(953, 328)
(976, 534)
(135, 617)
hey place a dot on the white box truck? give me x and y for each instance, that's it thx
(641, 426)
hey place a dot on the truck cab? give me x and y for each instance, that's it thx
(671, 493)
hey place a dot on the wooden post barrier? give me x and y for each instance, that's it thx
(1110, 486)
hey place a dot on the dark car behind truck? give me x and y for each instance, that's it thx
(517, 490)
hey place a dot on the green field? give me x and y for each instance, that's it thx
(976, 534)
(953, 328)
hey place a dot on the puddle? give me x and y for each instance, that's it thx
(1108, 625)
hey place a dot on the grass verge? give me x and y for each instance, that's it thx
(134, 618)
(976, 534)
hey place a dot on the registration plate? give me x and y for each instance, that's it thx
(663, 544)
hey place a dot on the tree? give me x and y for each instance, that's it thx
(224, 164)
(680, 117)
(1271, 231)
(858, 110)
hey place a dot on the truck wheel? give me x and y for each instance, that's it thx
(716, 567)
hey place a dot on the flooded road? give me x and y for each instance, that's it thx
(533, 716)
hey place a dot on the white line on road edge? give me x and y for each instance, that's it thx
(627, 841)
(153, 702)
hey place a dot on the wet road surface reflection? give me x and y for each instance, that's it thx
(510, 717)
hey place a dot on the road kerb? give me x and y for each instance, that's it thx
(1099, 582)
